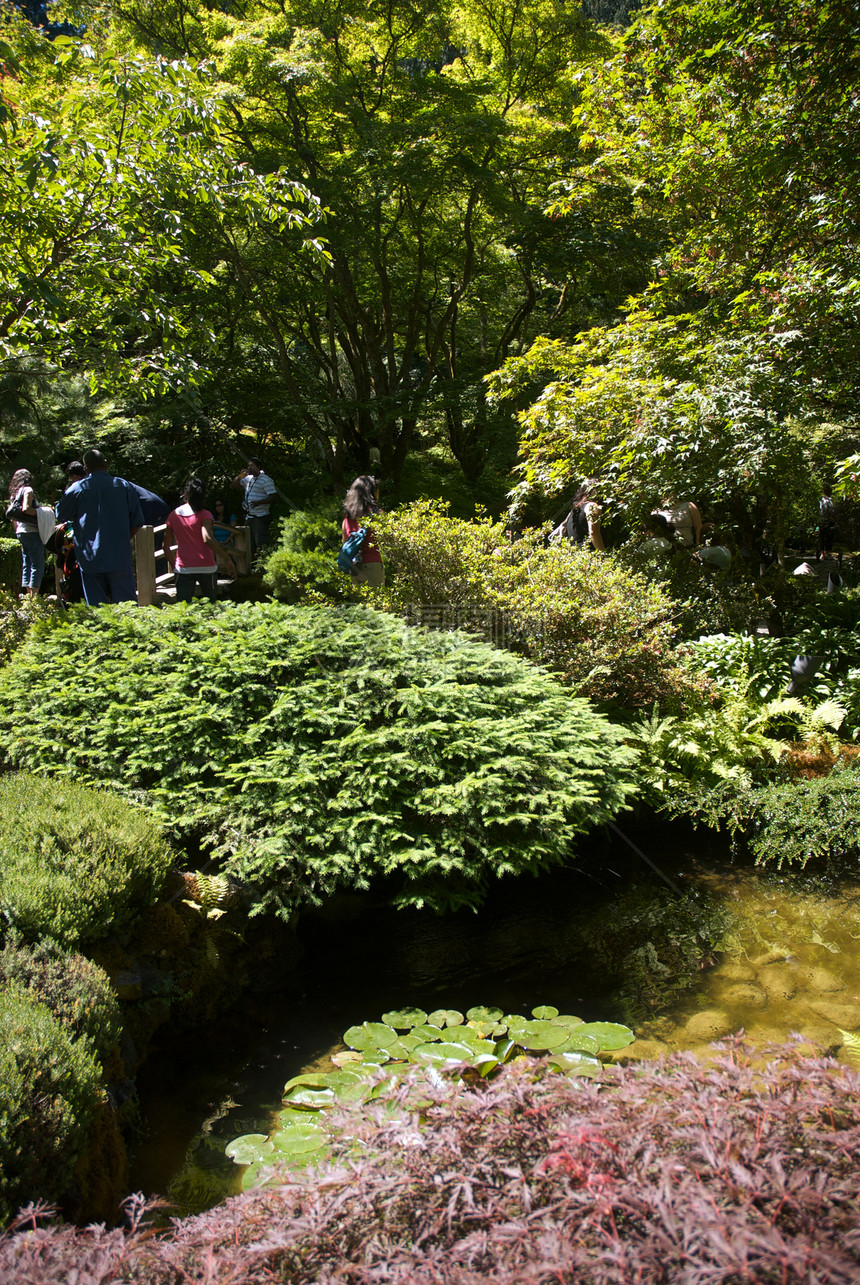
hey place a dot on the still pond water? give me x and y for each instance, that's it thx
(670, 938)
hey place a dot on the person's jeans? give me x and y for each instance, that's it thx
(101, 587)
(259, 528)
(33, 560)
(186, 580)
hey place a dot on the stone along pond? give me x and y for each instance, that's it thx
(671, 938)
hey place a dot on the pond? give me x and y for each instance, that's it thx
(670, 937)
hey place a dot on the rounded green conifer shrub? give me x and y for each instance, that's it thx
(322, 748)
(75, 863)
(75, 989)
(49, 1094)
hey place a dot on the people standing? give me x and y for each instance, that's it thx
(362, 500)
(27, 532)
(685, 520)
(583, 523)
(259, 492)
(197, 553)
(105, 514)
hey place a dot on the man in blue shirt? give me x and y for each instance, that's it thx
(105, 513)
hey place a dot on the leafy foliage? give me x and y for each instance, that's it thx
(302, 568)
(601, 627)
(321, 748)
(10, 564)
(49, 1093)
(75, 990)
(75, 863)
(790, 822)
(675, 1171)
(465, 1047)
(16, 617)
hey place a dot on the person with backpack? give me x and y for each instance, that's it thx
(362, 500)
(582, 524)
(23, 516)
(826, 524)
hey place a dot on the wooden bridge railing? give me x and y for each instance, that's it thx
(147, 557)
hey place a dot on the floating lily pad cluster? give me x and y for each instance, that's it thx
(479, 1042)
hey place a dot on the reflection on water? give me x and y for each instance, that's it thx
(787, 961)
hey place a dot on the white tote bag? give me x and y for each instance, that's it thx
(47, 522)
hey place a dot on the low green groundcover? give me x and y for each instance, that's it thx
(318, 748)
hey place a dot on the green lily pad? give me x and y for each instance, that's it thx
(310, 1099)
(313, 1080)
(428, 1032)
(358, 1037)
(565, 1019)
(504, 1049)
(249, 1149)
(375, 1057)
(579, 1044)
(296, 1141)
(408, 1042)
(345, 1057)
(514, 1020)
(306, 1119)
(541, 1035)
(346, 1075)
(609, 1035)
(545, 1013)
(251, 1176)
(443, 1052)
(576, 1064)
(446, 1017)
(383, 1036)
(482, 1014)
(403, 1019)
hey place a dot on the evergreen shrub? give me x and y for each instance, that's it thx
(75, 864)
(10, 564)
(77, 991)
(49, 1094)
(303, 566)
(320, 748)
(602, 627)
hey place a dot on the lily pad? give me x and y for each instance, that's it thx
(249, 1149)
(545, 1013)
(446, 1017)
(514, 1019)
(345, 1057)
(565, 1019)
(358, 1037)
(576, 1064)
(383, 1036)
(504, 1048)
(346, 1075)
(296, 1141)
(609, 1035)
(310, 1099)
(537, 1036)
(482, 1014)
(313, 1080)
(408, 1042)
(403, 1019)
(577, 1043)
(306, 1119)
(442, 1052)
(428, 1032)
(375, 1057)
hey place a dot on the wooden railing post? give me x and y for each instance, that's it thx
(144, 560)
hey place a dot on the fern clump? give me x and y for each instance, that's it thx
(75, 864)
(320, 749)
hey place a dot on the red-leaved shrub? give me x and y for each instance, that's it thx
(661, 1173)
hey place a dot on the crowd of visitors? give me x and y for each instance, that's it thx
(91, 529)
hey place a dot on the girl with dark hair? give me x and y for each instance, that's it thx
(582, 524)
(362, 499)
(197, 554)
(27, 532)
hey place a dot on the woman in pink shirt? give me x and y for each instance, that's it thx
(362, 499)
(197, 554)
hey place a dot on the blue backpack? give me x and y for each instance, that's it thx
(350, 555)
